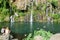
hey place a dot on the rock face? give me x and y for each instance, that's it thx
(22, 4)
(55, 37)
(4, 37)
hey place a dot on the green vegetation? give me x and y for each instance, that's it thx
(4, 10)
(46, 35)
(8, 9)
(39, 11)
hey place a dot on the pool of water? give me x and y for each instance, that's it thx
(24, 28)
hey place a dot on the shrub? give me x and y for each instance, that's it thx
(46, 35)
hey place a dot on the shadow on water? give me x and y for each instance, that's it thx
(22, 29)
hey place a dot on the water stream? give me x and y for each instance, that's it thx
(31, 21)
(31, 16)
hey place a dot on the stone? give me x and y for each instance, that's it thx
(38, 38)
(55, 37)
(14, 39)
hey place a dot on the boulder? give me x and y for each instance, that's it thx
(55, 37)
(38, 38)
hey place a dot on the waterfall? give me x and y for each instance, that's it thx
(31, 17)
(49, 19)
(47, 16)
(31, 21)
(11, 17)
(11, 20)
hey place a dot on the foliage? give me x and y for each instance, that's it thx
(55, 3)
(21, 14)
(40, 9)
(46, 35)
(4, 10)
(55, 16)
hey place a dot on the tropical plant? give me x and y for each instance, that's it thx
(45, 34)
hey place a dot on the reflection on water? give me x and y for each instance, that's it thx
(23, 28)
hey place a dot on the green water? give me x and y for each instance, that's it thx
(22, 28)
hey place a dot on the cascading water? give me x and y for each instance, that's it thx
(31, 17)
(11, 21)
(31, 21)
(47, 16)
(49, 21)
(11, 14)
(47, 11)
(11, 17)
